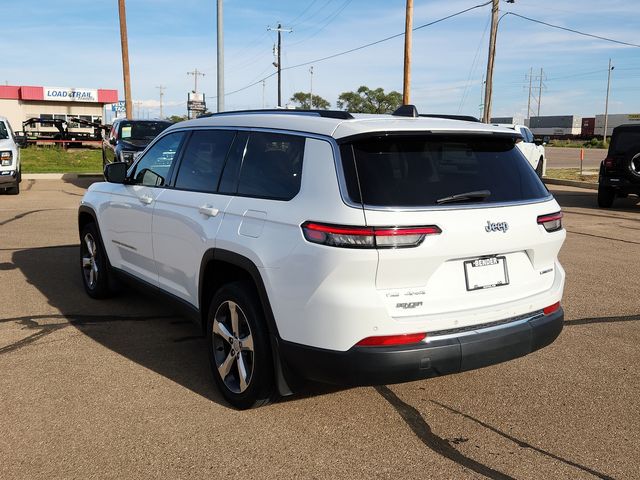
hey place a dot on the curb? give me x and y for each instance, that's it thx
(59, 176)
(571, 183)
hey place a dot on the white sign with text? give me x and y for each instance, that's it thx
(70, 94)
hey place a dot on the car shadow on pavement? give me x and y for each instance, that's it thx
(143, 329)
(589, 199)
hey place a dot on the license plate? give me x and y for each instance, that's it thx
(486, 272)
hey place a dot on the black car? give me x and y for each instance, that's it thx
(128, 137)
(620, 171)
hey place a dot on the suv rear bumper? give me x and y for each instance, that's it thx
(437, 356)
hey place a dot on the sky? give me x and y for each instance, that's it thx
(76, 43)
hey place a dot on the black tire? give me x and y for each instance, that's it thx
(94, 266)
(228, 353)
(15, 190)
(606, 195)
(540, 167)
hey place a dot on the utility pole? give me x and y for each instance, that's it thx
(125, 57)
(530, 85)
(138, 104)
(311, 89)
(488, 92)
(540, 91)
(408, 32)
(278, 62)
(161, 88)
(263, 89)
(606, 105)
(195, 74)
(220, 60)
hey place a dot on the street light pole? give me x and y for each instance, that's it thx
(220, 59)
(606, 105)
(125, 58)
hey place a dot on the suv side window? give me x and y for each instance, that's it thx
(527, 136)
(272, 166)
(203, 160)
(154, 167)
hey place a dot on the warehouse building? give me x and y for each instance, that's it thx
(19, 103)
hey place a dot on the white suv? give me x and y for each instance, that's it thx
(532, 149)
(10, 171)
(315, 245)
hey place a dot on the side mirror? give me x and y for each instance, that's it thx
(21, 141)
(113, 141)
(539, 142)
(115, 172)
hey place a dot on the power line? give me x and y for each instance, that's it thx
(361, 47)
(606, 39)
(330, 18)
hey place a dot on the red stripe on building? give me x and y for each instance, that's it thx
(107, 96)
(32, 93)
(9, 92)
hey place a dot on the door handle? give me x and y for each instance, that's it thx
(146, 199)
(208, 211)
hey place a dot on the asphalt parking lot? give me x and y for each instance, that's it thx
(121, 388)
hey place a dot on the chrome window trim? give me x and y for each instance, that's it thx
(342, 183)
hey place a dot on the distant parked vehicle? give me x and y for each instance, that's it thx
(10, 174)
(620, 171)
(128, 137)
(532, 149)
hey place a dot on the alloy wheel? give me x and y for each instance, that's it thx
(233, 348)
(89, 261)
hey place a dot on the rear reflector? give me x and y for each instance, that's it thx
(551, 308)
(551, 222)
(366, 237)
(388, 340)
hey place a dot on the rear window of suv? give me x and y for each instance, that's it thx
(419, 170)
(625, 140)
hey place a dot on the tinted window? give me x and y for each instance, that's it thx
(626, 140)
(142, 130)
(272, 166)
(416, 171)
(4, 133)
(154, 167)
(203, 160)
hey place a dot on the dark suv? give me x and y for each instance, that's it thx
(128, 137)
(620, 171)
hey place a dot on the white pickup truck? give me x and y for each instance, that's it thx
(532, 150)
(10, 176)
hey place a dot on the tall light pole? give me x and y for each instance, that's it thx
(408, 32)
(488, 91)
(125, 57)
(161, 88)
(220, 59)
(606, 104)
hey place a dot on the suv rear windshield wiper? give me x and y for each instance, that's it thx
(462, 197)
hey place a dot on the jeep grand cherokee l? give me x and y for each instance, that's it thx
(351, 250)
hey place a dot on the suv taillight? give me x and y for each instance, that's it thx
(551, 222)
(609, 162)
(366, 237)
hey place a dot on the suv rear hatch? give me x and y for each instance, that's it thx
(498, 229)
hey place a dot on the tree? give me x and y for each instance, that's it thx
(365, 100)
(301, 99)
(177, 118)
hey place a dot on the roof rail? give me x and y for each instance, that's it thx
(466, 118)
(406, 111)
(339, 114)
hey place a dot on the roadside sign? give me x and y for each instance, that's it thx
(119, 107)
